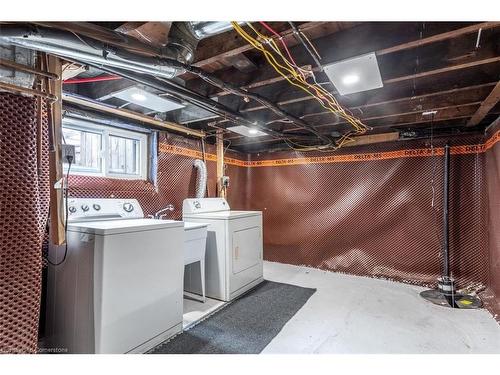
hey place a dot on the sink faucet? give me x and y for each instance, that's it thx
(162, 212)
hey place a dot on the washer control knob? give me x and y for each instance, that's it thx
(72, 209)
(85, 208)
(128, 207)
(96, 206)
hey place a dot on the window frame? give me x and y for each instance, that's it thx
(104, 153)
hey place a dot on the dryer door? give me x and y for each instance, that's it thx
(247, 245)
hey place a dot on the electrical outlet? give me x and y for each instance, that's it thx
(68, 151)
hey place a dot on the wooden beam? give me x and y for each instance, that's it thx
(486, 106)
(373, 138)
(219, 144)
(167, 125)
(57, 230)
(443, 70)
(439, 37)
(414, 104)
(398, 119)
(460, 95)
(25, 68)
(364, 38)
(26, 91)
(215, 48)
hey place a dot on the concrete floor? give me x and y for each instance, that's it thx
(350, 314)
(194, 310)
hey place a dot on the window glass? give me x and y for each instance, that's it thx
(87, 149)
(123, 155)
(107, 152)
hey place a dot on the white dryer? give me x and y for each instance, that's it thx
(233, 259)
(119, 289)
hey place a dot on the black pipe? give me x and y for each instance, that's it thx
(446, 191)
(196, 99)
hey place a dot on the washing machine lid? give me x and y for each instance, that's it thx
(107, 227)
(224, 215)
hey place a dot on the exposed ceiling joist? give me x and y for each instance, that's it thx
(352, 42)
(434, 100)
(166, 125)
(214, 49)
(373, 138)
(471, 64)
(391, 120)
(439, 37)
(486, 106)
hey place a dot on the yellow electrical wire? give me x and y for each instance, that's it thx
(296, 77)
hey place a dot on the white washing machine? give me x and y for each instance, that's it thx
(120, 289)
(233, 258)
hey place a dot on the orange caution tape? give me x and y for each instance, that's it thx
(410, 153)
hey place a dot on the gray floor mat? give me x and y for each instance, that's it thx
(245, 326)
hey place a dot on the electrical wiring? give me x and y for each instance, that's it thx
(319, 90)
(66, 184)
(295, 75)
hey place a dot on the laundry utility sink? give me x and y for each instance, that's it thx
(195, 239)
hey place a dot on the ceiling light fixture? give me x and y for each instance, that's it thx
(139, 97)
(360, 73)
(246, 131)
(146, 99)
(350, 79)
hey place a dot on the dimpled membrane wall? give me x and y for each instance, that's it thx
(375, 218)
(23, 213)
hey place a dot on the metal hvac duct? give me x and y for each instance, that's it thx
(202, 29)
(79, 48)
(182, 41)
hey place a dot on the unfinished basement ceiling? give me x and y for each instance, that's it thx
(447, 67)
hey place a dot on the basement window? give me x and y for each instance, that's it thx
(107, 152)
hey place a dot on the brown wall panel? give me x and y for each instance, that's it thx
(23, 217)
(493, 193)
(374, 218)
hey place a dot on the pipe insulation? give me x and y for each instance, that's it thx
(201, 178)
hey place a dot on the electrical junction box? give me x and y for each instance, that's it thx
(68, 151)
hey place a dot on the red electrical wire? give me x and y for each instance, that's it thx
(269, 28)
(93, 79)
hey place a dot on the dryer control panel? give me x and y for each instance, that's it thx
(84, 209)
(202, 205)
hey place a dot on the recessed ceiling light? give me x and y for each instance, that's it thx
(356, 74)
(350, 79)
(246, 131)
(138, 96)
(147, 99)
